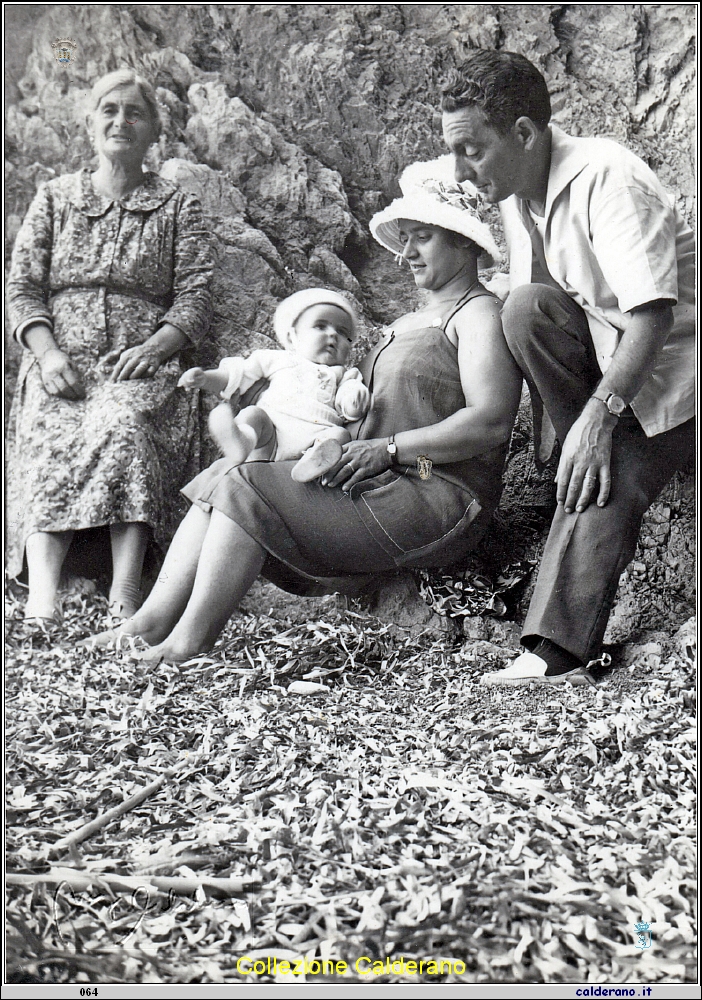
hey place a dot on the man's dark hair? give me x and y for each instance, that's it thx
(503, 85)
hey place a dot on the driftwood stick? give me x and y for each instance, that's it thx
(83, 832)
(80, 880)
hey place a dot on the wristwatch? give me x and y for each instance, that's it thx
(615, 404)
(391, 449)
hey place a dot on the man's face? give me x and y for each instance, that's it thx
(494, 163)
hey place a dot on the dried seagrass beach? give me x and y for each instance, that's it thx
(393, 807)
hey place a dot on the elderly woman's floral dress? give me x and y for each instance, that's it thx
(105, 275)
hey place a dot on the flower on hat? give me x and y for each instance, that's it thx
(453, 195)
(431, 194)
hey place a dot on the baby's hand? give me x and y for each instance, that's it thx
(352, 399)
(194, 378)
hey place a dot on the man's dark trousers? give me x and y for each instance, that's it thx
(586, 552)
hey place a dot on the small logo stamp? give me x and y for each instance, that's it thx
(64, 50)
(643, 932)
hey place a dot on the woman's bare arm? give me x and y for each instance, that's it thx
(491, 385)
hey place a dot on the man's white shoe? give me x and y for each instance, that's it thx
(531, 669)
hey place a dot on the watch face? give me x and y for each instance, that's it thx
(615, 404)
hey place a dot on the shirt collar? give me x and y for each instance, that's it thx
(568, 159)
(153, 193)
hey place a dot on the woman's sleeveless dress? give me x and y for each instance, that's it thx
(395, 519)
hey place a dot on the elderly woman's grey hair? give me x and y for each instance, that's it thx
(126, 78)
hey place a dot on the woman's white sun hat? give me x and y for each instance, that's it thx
(431, 194)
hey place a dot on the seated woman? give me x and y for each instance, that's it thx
(109, 280)
(418, 485)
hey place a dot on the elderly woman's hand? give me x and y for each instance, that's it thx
(142, 361)
(359, 460)
(59, 376)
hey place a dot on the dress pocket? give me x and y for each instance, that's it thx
(406, 514)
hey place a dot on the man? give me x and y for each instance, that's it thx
(600, 319)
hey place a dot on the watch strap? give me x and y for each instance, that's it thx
(608, 399)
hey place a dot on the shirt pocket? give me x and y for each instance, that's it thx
(406, 514)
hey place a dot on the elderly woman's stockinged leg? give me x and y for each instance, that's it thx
(46, 551)
(128, 543)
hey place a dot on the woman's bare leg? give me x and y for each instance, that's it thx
(46, 551)
(129, 541)
(169, 597)
(238, 436)
(230, 560)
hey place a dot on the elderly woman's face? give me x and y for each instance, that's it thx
(122, 125)
(431, 253)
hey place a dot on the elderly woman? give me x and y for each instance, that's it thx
(418, 485)
(109, 280)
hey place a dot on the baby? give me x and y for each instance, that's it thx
(309, 398)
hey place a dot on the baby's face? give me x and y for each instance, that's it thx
(323, 334)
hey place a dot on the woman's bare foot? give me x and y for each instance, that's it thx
(317, 460)
(108, 639)
(136, 627)
(163, 653)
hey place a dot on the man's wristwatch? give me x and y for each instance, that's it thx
(391, 449)
(615, 404)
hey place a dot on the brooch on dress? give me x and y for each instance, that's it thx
(424, 466)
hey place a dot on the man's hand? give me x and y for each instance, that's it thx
(142, 361)
(583, 469)
(59, 376)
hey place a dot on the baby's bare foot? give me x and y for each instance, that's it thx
(320, 458)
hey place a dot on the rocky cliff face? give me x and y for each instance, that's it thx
(292, 123)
